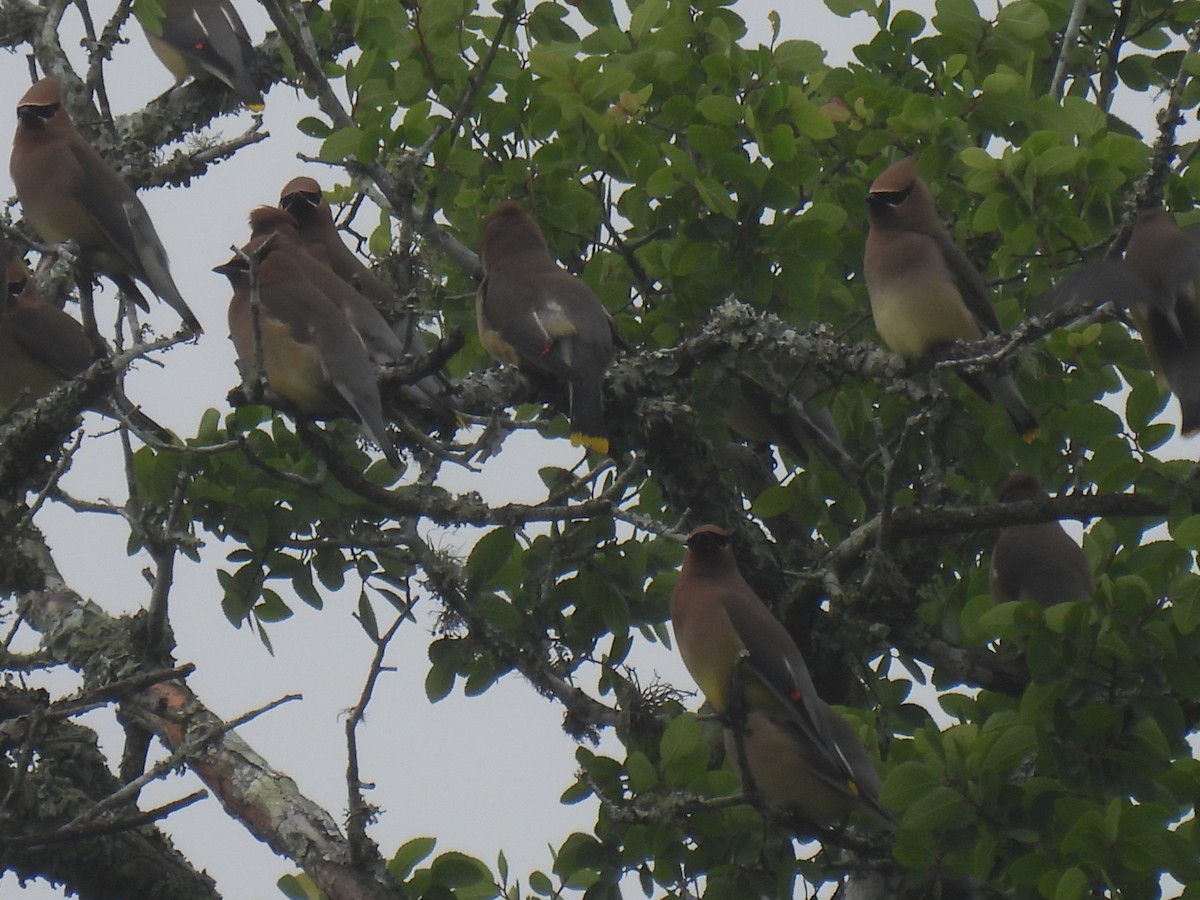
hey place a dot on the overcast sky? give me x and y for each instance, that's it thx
(483, 775)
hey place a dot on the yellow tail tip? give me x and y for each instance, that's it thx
(590, 441)
(256, 107)
(1032, 435)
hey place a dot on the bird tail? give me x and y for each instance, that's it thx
(147, 430)
(587, 414)
(378, 432)
(156, 270)
(1004, 391)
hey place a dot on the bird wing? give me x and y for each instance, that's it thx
(213, 37)
(776, 660)
(103, 195)
(968, 281)
(40, 330)
(1181, 272)
(1106, 279)
(530, 326)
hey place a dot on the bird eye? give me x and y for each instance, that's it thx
(199, 45)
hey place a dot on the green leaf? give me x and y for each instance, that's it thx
(811, 122)
(1072, 884)
(646, 16)
(408, 855)
(490, 554)
(720, 109)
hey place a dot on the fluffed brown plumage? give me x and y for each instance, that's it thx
(303, 199)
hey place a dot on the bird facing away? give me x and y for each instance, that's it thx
(202, 39)
(312, 358)
(800, 752)
(1036, 562)
(303, 199)
(41, 347)
(924, 291)
(532, 313)
(68, 192)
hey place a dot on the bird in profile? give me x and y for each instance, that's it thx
(303, 199)
(312, 359)
(1037, 562)
(68, 192)
(204, 39)
(1167, 315)
(1158, 281)
(534, 314)
(799, 751)
(41, 347)
(925, 293)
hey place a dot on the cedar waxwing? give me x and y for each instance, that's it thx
(69, 192)
(41, 347)
(532, 313)
(201, 38)
(1167, 315)
(302, 198)
(1036, 562)
(800, 752)
(924, 291)
(756, 415)
(382, 344)
(313, 359)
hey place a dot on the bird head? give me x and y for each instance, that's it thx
(300, 196)
(41, 103)
(266, 220)
(1021, 486)
(899, 198)
(709, 547)
(236, 269)
(512, 238)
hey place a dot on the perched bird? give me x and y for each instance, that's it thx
(204, 38)
(312, 358)
(532, 313)
(924, 291)
(382, 344)
(799, 751)
(1158, 281)
(41, 347)
(1036, 562)
(1167, 313)
(69, 192)
(756, 415)
(302, 198)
